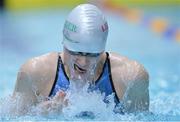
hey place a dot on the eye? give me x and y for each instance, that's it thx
(83, 53)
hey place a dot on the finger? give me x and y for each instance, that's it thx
(66, 102)
(60, 96)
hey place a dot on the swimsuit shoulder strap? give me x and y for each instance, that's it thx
(110, 77)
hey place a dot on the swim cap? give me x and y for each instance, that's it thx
(85, 30)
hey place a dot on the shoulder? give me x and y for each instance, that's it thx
(126, 72)
(40, 65)
(37, 71)
(35, 63)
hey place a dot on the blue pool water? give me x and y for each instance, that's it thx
(27, 34)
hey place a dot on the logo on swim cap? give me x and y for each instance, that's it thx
(104, 27)
(70, 26)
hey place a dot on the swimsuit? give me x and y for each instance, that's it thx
(104, 83)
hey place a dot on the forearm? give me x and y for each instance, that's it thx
(19, 104)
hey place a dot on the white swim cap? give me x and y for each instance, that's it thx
(85, 30)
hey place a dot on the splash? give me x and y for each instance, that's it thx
(83, 105)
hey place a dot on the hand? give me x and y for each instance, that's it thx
(54, 105)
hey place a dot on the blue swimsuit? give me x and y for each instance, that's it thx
(104, 83)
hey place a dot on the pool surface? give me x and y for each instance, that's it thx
(28, 34)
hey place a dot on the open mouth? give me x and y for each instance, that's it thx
(79, 69)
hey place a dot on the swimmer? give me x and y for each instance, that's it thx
(83, 61)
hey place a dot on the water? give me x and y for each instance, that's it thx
(28, 34)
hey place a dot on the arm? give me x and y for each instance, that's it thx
(131, 83)
(136, 97)
(25, 97)
(34, 82)
(23, 92)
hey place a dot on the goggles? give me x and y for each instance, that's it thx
(83, 53)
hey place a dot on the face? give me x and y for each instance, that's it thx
(82, 66)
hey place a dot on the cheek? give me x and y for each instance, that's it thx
(71, 58)
(92, 63)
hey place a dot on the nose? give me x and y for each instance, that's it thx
(82, 60)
